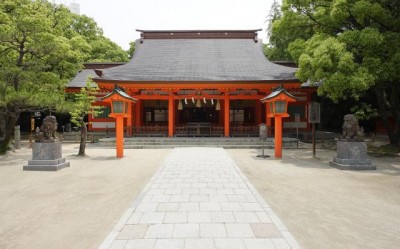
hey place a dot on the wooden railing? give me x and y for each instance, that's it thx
(199, 130)
(196, 130)
(151, 130)
(244, 130)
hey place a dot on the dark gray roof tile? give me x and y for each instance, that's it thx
(199, 60)
(81, 78)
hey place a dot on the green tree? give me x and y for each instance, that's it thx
(36, 59)
(131, 49)
(352, 46)
(283, 28)
(81, 106)
(42, 46)
(102, 49)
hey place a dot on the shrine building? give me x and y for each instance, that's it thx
(196, 83)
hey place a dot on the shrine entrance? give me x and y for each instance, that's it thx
(198, 115)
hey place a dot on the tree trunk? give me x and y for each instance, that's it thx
(11, 117)
(82, 145)
(389, 106)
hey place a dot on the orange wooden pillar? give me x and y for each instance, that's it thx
(119, 130)
(221, 114)
(138, 113)
(226, 115)
(268, 120)
(171, 115)
(258, 112)
(129, 120)
(278, 137)
(90, 120)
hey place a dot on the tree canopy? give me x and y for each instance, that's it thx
(42, 46)
(81, 107)
(101, 49)
(352, 46)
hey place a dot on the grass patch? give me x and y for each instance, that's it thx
(4, 149)
(383, 150)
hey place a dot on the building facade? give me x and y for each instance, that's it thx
(198, 83)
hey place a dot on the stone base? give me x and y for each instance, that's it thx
(46, 165)
(46, 157)
(352, 155)
(352, 166)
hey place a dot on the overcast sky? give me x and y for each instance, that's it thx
(120, 18)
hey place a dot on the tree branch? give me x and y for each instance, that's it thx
(5, 50)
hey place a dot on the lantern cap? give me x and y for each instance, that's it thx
(119, 91)
(276, 93)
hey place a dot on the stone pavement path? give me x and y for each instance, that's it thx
(199, 199)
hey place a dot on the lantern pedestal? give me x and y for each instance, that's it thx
(278, 137)
(119, 130)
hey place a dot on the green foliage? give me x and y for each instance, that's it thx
(103, 49)
(42, 46)
(352, 46)
(36, 59)
(364, 111)
(284, 27)
(82, 104)
(131, 49)
(100, 48)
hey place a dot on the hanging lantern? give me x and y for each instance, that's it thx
(185, 101)
(193, 100)
(204, 99)
(180, 105)
(218, 106)
(212, 101)
(198, 103)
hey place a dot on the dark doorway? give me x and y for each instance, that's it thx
(198, 115)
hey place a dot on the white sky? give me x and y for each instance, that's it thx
(120, 18)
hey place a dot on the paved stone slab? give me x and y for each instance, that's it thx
(132, 232)
(199, 199)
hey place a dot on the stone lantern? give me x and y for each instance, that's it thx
(277, 104)
(120, 102)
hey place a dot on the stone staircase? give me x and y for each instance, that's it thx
(227, 143)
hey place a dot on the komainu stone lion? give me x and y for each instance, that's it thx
(351, 129)
(47, 130)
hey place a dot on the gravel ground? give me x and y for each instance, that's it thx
(78, 206)
(75, 207)
(324, 207)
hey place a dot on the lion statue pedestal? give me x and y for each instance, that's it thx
(351, 148)
(46, 152)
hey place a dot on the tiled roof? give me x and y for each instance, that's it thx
(120, 91)
(199, 60)
(276, 92)
(81, 78)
